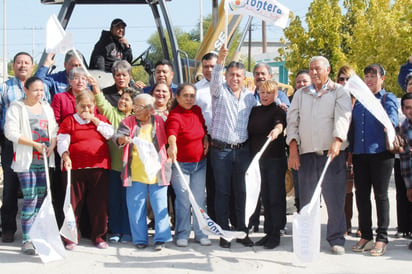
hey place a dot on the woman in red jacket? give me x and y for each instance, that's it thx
(188, 144)
(82, 144)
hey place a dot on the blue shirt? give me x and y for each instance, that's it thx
(230, 114)
(54, 83)
(10, 91)
(405, 158)
(367, 133)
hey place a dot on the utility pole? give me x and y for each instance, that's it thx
(5, 72)
(201, 21)
(215, 12)
(264, 42)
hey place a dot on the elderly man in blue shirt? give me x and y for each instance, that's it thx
(231, 105)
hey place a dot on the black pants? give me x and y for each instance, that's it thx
(403, 206)
(373, 171)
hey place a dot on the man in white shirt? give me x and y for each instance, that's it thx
(204, 101)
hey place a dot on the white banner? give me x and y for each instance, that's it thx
(360, 90)
(206, 224)
(306, 225)
(57, 40)
(69, 227)
(270, 11)
(252, 183)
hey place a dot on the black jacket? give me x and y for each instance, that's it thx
(108, 50)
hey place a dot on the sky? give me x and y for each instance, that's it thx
(26, 22)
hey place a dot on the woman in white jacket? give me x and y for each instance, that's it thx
(31, 126)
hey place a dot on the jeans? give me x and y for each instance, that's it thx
(373, 170)
(118, 215)
(194, 175)
(10, 189)
(403, 206)
(273, 194)
(229, 167)
(333, 190)
(136, 196)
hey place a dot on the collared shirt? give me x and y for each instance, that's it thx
(230, 114)
(204, 101)
(406, 157)
(10, 91)
(315, 121)
(367, 133)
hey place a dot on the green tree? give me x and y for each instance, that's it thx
(365, 32)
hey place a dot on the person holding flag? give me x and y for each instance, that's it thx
(31, 126)
(268, 121)
(231, 104)
(318, 122)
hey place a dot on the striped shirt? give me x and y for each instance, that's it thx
(230, 114)
(406, 157)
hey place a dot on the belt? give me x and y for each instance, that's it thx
(222, 145)
(322, 152)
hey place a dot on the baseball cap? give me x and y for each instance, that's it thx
(118, 21)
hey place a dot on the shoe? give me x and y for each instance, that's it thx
(28, 248)
(182, 242)
(282, 232)
(141, 246)
(159, 245)
(151, 225)
(263, 240)
(126, 238)
(205, 242)
(378, 251)
(338, 250)
(115, 238)
(102, 245)
(365, 247)
(223, 243)
(8, 237)
(245, 241)
(410, 246)
(358, 233)
(70, 246)
(272, 242)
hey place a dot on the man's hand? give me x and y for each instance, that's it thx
(409, 194)
(294, 159)
(124, 41)
(49, 60)
(334, 149)
(223, 52)
(139, 84)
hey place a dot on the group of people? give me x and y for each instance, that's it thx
(132, 149)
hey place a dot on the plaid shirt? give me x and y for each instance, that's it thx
(10, 91)
(230, 114)
(405, 158)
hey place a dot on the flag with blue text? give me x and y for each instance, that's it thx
(270, 11)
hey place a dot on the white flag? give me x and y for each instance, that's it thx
(270, 11)
(206, 224)
(44, 232)
(360, 90)
(69, 227)
(252, 183)
(57, 40)
(149, 155)
(306, 225)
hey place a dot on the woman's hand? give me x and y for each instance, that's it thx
(274, 133)
(124, 140)
(67, 160)
(139, 84)
(94, 84)
(172, 152)
(205, 145)
(39, 147)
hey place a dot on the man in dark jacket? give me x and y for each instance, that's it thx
(112, 46)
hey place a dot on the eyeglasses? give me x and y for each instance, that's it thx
(139, 108)
(80, 78)
(342, 79)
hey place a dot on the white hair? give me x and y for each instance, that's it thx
(320, 58)
(146, 98)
